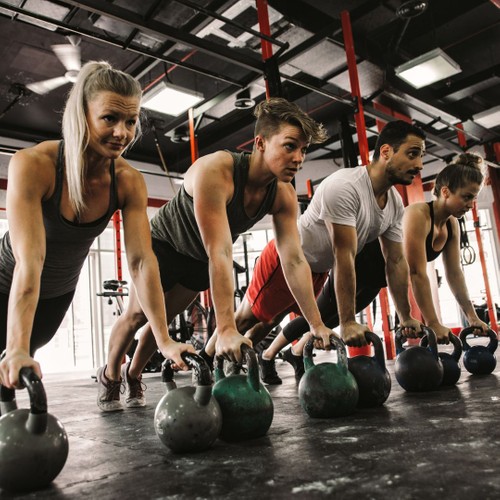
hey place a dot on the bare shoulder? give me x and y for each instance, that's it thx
(41, 159)
(418, 210)
(215, 168)
(43, 154)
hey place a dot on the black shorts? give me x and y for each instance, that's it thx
(48, 317)
(178, 268)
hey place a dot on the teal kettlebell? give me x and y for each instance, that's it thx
(188, 419)
(33, 444)
(246, 405)
(328, 389)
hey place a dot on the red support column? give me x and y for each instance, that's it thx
(360, 126)
(193, 140)
(118, 244)
(355, 89)
(489, 300)
(265, 29)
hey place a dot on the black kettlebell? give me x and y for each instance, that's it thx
(328, 390)
(246, 405)
(417, 368)
(188, 418)
(372, 377)
(479, 359)
(450, 362)
(33, 443)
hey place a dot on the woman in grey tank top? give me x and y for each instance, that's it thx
(60, 197)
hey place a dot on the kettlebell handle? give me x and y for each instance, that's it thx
(253, 378)
(457, 345)
(493, 344)
(426, 331)
(335, 343)
(374, 339)
(37, 418)
(200, 367)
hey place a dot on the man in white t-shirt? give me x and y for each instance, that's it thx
(351, 208)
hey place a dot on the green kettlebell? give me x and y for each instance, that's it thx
(33, 443)
(188, 418)
(328, 389)
(247, 407)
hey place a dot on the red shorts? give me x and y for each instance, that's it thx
(268, 293)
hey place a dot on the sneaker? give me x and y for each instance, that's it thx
(108, 392)
(268, 372)
(296, 361)
(134, 389)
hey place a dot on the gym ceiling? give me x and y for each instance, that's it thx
(201, 46)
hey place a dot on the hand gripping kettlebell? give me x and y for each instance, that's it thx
(479, 359)
(328, 389)
(372, 377)
(33, 443)
(188, 418)
(247, 407)
(417, 368)
(451, 362)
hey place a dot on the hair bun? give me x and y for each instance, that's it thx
(472, 160)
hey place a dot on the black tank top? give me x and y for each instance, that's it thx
(430, 253)
(176, 224)
(67, 243)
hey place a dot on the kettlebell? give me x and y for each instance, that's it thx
(246, 405)
(188, 419)
(328, 390)
(372, 377)
(450, 362)
(479, 359)
(417, 368)
(33, 443)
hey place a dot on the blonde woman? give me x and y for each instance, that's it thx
(60, 197)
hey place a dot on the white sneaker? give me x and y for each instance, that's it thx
(134, 389)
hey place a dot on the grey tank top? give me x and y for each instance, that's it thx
(67, 243)
(176, 224)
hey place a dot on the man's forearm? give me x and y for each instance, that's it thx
(397, 280)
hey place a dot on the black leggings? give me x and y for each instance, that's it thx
(370, 278)
(48, 317)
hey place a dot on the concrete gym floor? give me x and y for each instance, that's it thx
(442, 444)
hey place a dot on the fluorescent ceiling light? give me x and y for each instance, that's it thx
(427, 69)
(489, 118)
(169, 99)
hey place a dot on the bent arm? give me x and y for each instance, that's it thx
(416, 226)
(143, 264)
(213, 187)
(27, 235)
(296, 269)
(397, 280)
(456, 279)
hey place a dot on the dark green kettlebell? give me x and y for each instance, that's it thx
(479, 359)
(246, 405)
(188, 419)
(372, 377)
(33, 443)
(328, 390)
(450, 362)
(417, 368)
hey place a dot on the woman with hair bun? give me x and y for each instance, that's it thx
(60, 197)
(431, 229)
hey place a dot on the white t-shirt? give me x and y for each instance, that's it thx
(346, 197)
